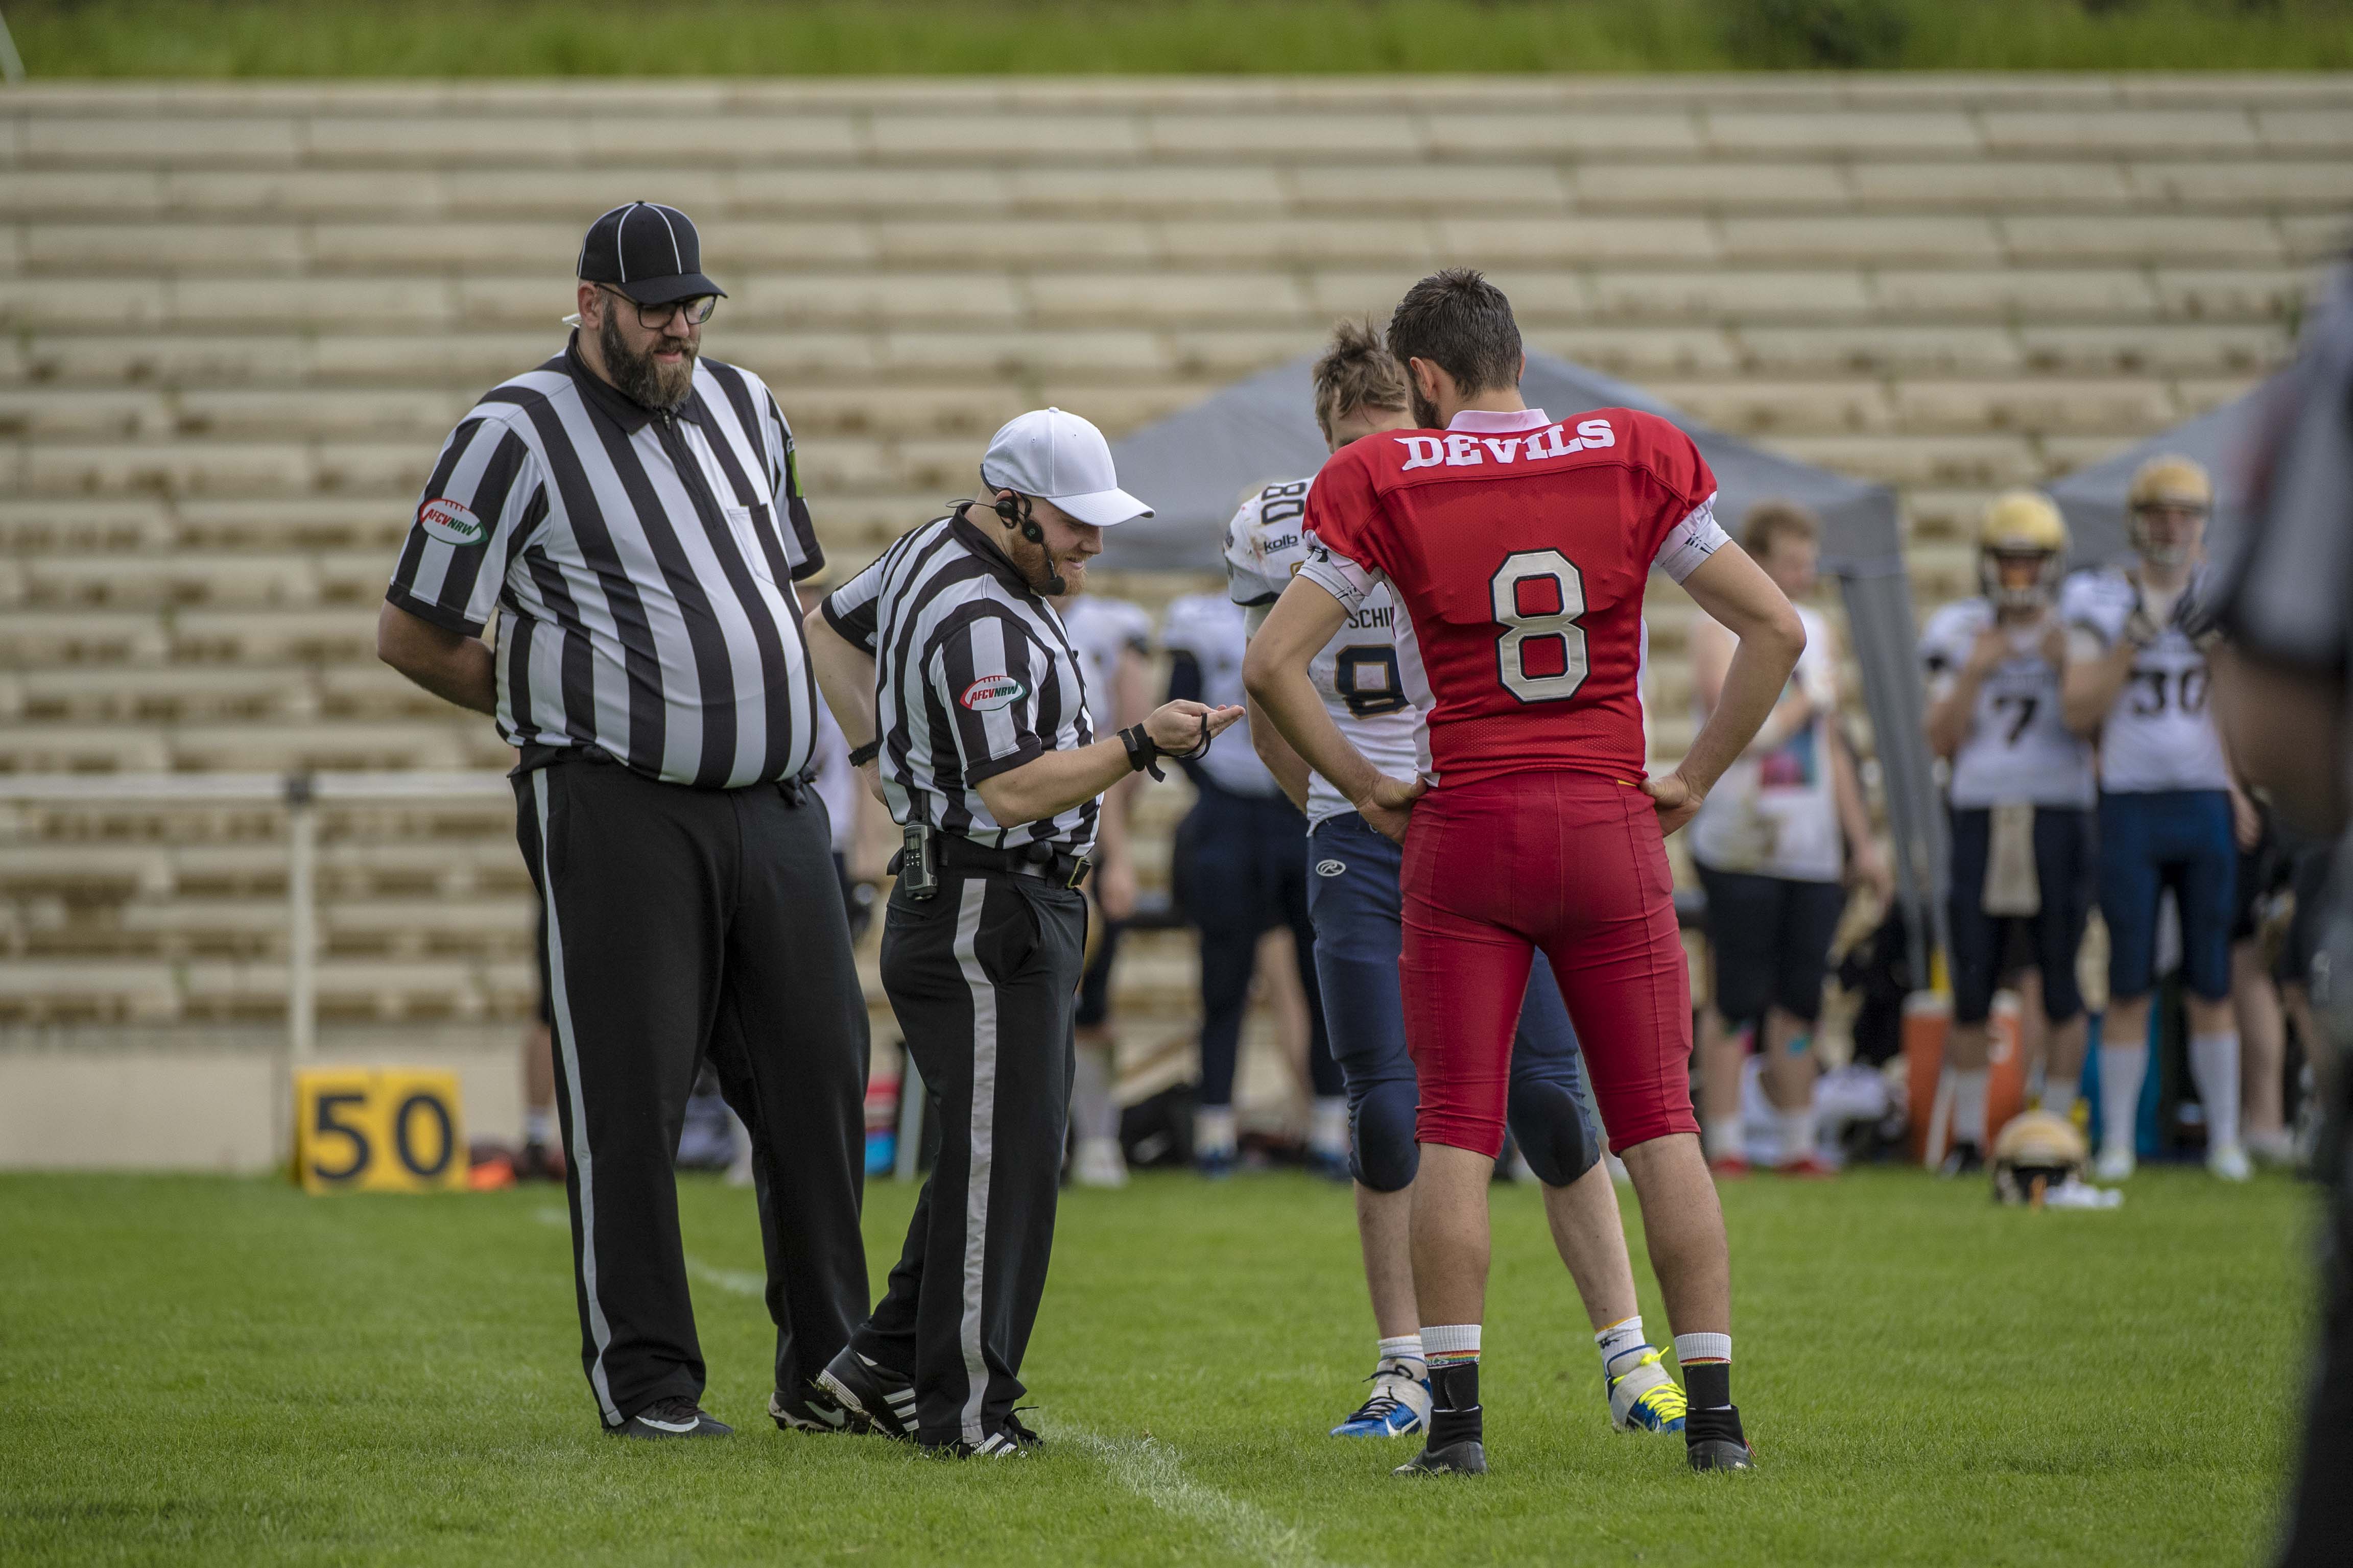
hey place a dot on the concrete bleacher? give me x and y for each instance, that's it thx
(235, 321)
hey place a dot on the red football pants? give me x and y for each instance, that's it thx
(1573, 864)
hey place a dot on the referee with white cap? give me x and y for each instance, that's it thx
(632, 512)
(944, 660)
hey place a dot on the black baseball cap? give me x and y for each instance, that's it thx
(648, 252)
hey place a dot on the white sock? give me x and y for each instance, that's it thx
(539, 1127)
(1093, 1109)
(2214, 1068)
(1445, 1342)
(1328, 1129)
(1968, 1106)
(2059, 1098)
(2121, 1068)
(1722, 1139)
(1796, 1133)
(1404, 1348)
(1622, 1345)
(1213, 1130)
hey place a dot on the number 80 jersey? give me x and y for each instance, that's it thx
(1358, 674)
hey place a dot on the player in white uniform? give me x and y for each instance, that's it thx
(1237, 876)
(1773, 842)
(1111, 638)
(1355, 898)
(2020, 793)
(2171, 813)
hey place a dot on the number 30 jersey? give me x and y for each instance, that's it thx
(1358, 674)
(2019, 750)
(2159, 734)
(1519, 546)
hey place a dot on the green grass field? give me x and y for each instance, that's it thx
(219, 1371)
(866, 38)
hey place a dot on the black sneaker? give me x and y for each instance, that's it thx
(855, 1393)
(1714, 1441)
(1019, 1431)
(997, 1445)
(1964, 1158)
(1467, 1458)
(676, 1417)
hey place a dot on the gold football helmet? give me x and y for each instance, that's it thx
(2021, 551)
(2171, 483)
(2036, 1152)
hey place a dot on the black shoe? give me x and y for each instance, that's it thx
(676, 1417)
(855, 1394)
(1714, 1441)
(997, 1445)
(1018, 1430)
(1468, 1457)
(1963, 1160)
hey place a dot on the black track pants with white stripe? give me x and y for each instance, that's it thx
(684, 921)
(983, 977)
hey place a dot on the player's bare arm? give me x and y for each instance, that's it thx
(1951, 713)
(1734, 590)
(1290, 769)
(2088, 688)
(1053, 782)
(1711, 651)
(1274, 672)
(451, 665)
(845, 673)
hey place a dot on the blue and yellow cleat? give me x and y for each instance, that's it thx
(1400, 1406)
(1646, 1399)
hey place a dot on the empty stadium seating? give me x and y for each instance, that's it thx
(235, 322)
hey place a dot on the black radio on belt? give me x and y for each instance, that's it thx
(919, 865)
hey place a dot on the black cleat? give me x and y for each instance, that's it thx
(855, 1394)
(1468, 1457)
(1020, 1432)
(676, 1417)
(1714, 1440)
(1965, 1159)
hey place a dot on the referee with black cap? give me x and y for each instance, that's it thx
(945, 662)
(632, 512)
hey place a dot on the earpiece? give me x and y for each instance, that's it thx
(1014, 510)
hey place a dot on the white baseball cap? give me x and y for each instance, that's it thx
(1062, 459)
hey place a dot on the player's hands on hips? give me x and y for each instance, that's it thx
(1114, 882)
(1175, 727)
(1675, 798)
(1389, 806)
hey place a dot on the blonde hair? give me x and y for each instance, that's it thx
(1356, 372)
(1769, 519)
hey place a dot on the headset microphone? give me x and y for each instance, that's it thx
(1015, 508)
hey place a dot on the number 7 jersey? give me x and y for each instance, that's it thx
(1519, 547)
(1358, 674)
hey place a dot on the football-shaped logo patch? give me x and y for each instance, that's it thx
(991, 692)
(1330, 868)
(451, 521)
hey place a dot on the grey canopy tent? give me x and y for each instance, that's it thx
(2093, 498)
(1195, 465)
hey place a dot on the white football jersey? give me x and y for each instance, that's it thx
(1101, 631)
(2159, 734)
(1775, 814)
(2019, 750)
(1209, 626)
(1357, 672)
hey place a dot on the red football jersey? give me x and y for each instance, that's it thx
(1520, 547)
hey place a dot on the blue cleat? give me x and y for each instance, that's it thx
(1400, 1406)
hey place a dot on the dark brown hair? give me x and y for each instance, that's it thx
(1463, 325)
(1356, 372)
(1769, 519)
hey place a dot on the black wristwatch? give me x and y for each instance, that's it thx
(861, 755)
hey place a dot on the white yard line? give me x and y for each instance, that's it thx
(736, 1281)
(1152, 1472)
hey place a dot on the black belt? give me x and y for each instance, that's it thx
(1055, 868)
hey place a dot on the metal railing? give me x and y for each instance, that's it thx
(302, 794)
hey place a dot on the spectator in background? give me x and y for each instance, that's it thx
(2171, 815)
(2021, 790)
(1240, 871)
(1774, 842)
(1112, 639)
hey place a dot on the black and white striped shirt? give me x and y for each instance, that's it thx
(642, 564)
(974, 675)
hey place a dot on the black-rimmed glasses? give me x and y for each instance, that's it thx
(654, 318)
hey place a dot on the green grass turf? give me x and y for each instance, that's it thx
(219, 1371)
(834, 38)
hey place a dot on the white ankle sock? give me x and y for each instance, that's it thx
(1328, 1126)
(1213, 1130)
(1094, 1110)
(2214, 1068)
(1968, 1106)
(2059, 1100)
(1796, 1134)
(2121, 1068)
(1722, 1139)
(1622, 1345)
(1404, 1348)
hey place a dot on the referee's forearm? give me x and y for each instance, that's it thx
(1050, 784)
(451, 665)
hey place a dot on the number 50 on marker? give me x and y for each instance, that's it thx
(377, 1129)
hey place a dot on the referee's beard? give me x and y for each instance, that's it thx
(641, 378)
